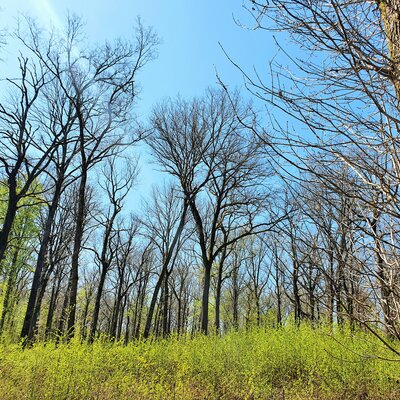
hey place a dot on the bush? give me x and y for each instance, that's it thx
(286, 363)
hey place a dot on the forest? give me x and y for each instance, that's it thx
(266, 262)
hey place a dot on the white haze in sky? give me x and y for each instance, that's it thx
(45, 11)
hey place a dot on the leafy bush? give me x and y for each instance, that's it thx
(286, 363)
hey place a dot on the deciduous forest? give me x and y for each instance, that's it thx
(265, 264)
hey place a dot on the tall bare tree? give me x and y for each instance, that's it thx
(116, 185)
(100, 84)
(165, 220)
(25, 149)
(204, 144)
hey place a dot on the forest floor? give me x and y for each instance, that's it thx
(286, 363)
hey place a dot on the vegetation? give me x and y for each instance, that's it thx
(295, 226)
(286, 363)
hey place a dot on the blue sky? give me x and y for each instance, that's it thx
(189, 54)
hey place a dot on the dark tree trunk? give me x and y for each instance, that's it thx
(53, 303)
(331, 285)
(121, 318)
(295, 282)
(12, 203)
(258, 307)
(127, 329)
(165, 302)
(153, 303)
(29, 321)
(219, 290)
(12, 278)
(341, 279)
(7, 299)
(235, 297)
(156, 330)
(278, 291)
(74, 276)
(179, 319)
(96, 310)
(117, 309)
(164, 270)
(218, 301)
(205, 297)
(36, 312)
(138, 316)
(64, 310)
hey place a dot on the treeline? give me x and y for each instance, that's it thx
(251, 227)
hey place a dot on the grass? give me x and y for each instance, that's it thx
(288, 363)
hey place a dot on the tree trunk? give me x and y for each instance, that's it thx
(12, 277)
(278, 292)
(164, 270)
(258, 306)
(127, 328)
(205, 297)
(390, 15)
(30, 322)
(96, 310)
(219, 291)
(165, 302)
(117, 307)
(330, 284)
(382, 278)
(235, 297)
(121, 318)
(73, 279)
(36, 312)
(12, 203)
(52, 306)
(141, 299)
(153, 303)
(7, 297)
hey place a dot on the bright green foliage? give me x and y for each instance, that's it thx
(19, 257)
(288, 363)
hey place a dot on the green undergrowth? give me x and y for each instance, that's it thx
(286, 363)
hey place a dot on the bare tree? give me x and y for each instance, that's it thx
(165, 220)
(116, 185)
(25, 149)
(59, 119)
(206, 147)
(343, 93)
(99, 83)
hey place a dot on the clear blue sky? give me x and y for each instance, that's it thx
(189, 30)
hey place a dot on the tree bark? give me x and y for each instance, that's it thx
(219, 290)
(390, 15)
(205, 297)
(164, 270)
(30, 321)
(12, 203)
(73, 279)
(96, 310)
(153, 303)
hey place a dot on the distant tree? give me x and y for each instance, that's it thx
(216, 161)
(164, 222)
(343, 91)
(116, 185)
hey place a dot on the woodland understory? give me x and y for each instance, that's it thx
(264, 265)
